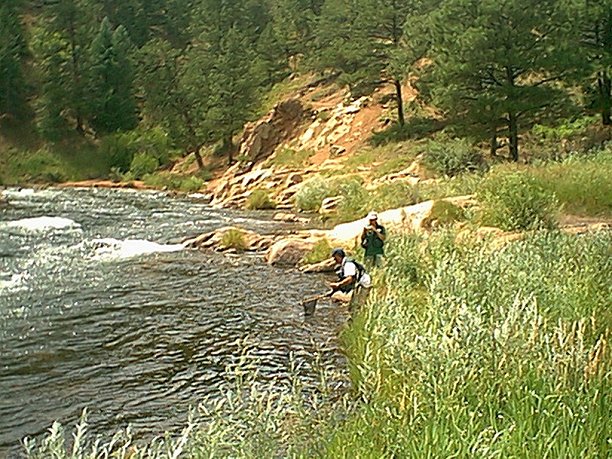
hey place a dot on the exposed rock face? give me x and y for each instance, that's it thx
(288, 251)
(289, 125)
(261, 138)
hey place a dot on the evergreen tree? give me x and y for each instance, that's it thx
(293, 26)
(55, 83)
(369, 43)
(596, 40)
(62, 37)
(224, 50)
(175, 87)
(13, 51)
(113, 103)
(497, 66)
(148, 19)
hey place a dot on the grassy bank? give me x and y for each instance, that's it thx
(463, 351)
(580, 185)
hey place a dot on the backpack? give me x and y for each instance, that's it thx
(360, 272)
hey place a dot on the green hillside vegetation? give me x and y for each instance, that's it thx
(197, 73)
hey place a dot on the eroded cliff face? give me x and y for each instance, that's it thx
(320, 129)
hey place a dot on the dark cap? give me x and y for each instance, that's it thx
(338, 251)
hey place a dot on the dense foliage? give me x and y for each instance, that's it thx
(200, 69)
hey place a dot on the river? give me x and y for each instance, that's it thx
(102, 307)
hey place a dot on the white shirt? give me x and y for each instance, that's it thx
(349, 269)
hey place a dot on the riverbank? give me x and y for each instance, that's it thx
(462, 349)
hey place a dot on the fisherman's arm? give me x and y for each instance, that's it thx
(348, 280)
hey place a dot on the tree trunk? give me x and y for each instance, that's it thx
(513, 144)
(228, 145)
(400, 102)
(76, 78)
(198, 157)
(604, 85)
(494, 143)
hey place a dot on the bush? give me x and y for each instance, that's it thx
(123, 146)
(119, 149)
(515, 201)
(143, 164)
(259, 200)
(233, 239)
(187, 184)
(320, 252)
(452, 157)
(444, 213)
(311, 193)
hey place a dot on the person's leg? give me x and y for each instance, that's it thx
(379, 261)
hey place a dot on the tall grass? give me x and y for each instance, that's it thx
(582, 183)
(479, 353)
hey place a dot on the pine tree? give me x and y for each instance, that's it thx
(497, 65)
(369, 43)
(596, 43)
(62, 38)
(54, 80)
(175, 86)
(229, 32)
(113, 104)
(13, 51)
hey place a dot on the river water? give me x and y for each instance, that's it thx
(102, 307)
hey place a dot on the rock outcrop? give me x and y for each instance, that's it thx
(419, 217)
(288, 251)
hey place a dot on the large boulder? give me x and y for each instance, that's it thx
(288, 251)
(230, 237)
(418, 217)
(324, 266)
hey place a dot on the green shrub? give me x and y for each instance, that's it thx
(515, 201)
(259, 200)
(143, 164)
(452, 157)
(320, 252)
(162, 180)
(311, 193)
(566, 130)
(444, 213)
(121, 147)
(233, 239)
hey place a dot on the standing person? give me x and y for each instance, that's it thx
(372, 240)
(352, 277)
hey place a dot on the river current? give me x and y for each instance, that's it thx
(102, 307)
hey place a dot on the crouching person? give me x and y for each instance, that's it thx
(352, 278)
